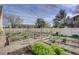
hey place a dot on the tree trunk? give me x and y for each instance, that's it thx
(2, 34)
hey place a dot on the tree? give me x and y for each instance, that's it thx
(55, 22)
(59, 20)
(1, 20)
(61, 14)
(69, 22)
(14, 21)
(2, 34)
(40, 23)
(47, 24)
(76, 9)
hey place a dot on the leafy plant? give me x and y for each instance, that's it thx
(53, 37)
(13, 33)
(58, 50)
(42, 49)
(64, 39)
(75, 36)
(1, 31)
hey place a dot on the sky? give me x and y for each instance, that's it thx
(30, 12)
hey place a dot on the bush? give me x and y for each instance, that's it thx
(58, 50)
(13, 33)
(42, 49)
(53, 37)
(75, 35)
(64, 39)
(1, 31)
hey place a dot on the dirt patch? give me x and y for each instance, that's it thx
(22, 51)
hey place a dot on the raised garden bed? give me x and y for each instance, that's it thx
(22, 51)
(38, 48)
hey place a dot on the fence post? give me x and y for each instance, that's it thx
(41, 34)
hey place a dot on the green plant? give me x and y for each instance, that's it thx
(64, 40)
(75, 36)
(42, 49)
(53, 37)
(13, 33)
(58, 50)
(1, 31)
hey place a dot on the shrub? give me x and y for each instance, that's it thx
(75, 35)
(42, 49)
(13, 33)
(1, 31)
(58, 50)
(63, 35)
(53, 37)
(64, 40)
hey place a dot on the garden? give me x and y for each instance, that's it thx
(39, 30)
(40, 43)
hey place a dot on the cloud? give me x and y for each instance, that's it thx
(30, 12)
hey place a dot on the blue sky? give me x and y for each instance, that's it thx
(30, 12)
